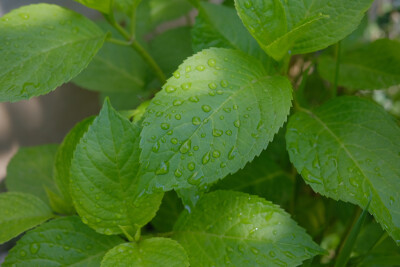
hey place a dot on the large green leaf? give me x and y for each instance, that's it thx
(349, 149)
(115, 68)
(170, 48)
(300, 26)
(169, 211)
(31, 171)
(372, 66)
(104, 176)
(218, 111)
(20, 212)
(103, 6)
(42, 47)
(63, 158)
(61, 242)
(155, 251)
(220, 26)
(237, 229)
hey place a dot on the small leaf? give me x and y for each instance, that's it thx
(43, 46)
(348, 149)
(220, 26)
(115, 68)
(62, 242)
(64, 156)
(372, 66)
(103, 6)
(211, 118)
(232, 228)
(31, 171)
(20, 212)
(155, 251)
(104, 176)
(300, 26)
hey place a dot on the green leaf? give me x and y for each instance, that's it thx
(237, 229)
(372, 66)
(104, 6)
(43, 46)
(150, 252)
(169, 211)
(104, 176)
(61, 242)
(300, 26)
(31, 171)
(170, 48)
(63, 158)
(262, 177)
(115, 68)
(211, 118)
(20, 212)
(220, 26)
(348, 149)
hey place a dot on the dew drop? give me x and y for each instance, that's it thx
(212, 86)
(108, 231)
(223, 165)
(164, 126)
(159, 114)
(66, 248)
(177, 103)
(186, 146)
(200, 68)
(188, 69)
(216, 154)
(195, 148)
(178, 173)
(194, 99)
(203, 135)
(272, 254)
(194, 179)
(227, 110)
(206, 108)
(248, 4)
(24, 16)
(237, 123)
(211, 93)
(217, 132)
(191, 166)
(178, 117)
(22, 253)
(353, 182)
(34, 248)
(177, 74)
(206, 158)
(212, 62)
(255, 251)
(232, 153)
(224, 83)
(156, 147)
(220, 92)
(164, 168)
(289, 254)
(170, 89)
(186, 86)
(391, 200)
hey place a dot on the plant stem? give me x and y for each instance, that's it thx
(131, 41)
(337, 68)
(351, 237)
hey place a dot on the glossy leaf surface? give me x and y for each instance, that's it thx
(155, 251)
(300, 26)
(61, 242)
(43, 46)
(104, 176)
(233, 228)
(211, 118)
(349, 149)
(20, 212)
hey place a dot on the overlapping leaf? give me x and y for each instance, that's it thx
(42, 47)
(349, 149)
(20, 212)
(372, 66)
(218, 111)
(233, 228)
(104, 176)
(61, 242)
(149, 252)
(31, 171)
(300, 26)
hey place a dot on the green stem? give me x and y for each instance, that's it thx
(350, 240)
(337, 68)
(136, 45)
